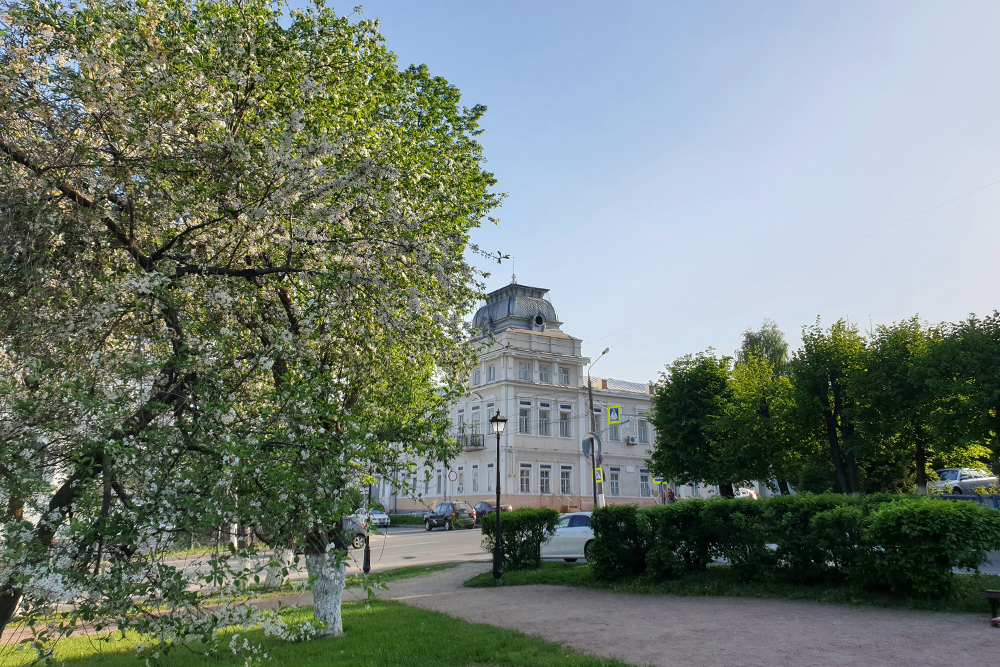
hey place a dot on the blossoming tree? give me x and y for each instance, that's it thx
(232, 289)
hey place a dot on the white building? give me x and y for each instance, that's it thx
(535, 375)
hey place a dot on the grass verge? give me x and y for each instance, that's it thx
(718, 581)
(386, 634)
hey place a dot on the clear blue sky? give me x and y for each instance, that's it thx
(660, 156)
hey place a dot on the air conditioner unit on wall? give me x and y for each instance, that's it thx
(631, 440)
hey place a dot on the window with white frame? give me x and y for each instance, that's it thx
(524, 417)
(566, 480)
(525, 478)
(427, 484)
(644, 483)
(565, 421)
(461, 479)
(438, 482)
(543, 419)
(460, 426)
(615, 484)
(615, 432)
(523, 371)
(544, 478)
(695, 490)
(475, 478)
(492, 373)
(543, 373)
(563, 375)
(491, 478)
(475, 377)
(643, 431)
(475, 421)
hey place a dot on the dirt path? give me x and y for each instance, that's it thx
(710, 632)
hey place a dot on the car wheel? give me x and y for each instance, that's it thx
(957, 490)
(427, 525)
(359, 541)
(586, 550)
(569, 560)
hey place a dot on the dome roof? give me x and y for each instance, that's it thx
(516, 306)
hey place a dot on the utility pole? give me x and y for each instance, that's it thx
(593, 425)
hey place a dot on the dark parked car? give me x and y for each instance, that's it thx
(484, 508)
(449, 515)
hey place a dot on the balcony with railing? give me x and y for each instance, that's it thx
(472, 441)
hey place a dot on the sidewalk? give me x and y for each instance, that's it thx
(710, 632)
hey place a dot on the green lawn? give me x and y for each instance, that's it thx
(388, 634)
(719, 581)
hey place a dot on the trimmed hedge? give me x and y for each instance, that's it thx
(903, 544)
(522, 533)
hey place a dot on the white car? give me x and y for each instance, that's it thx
(379, 518)
(572, 538)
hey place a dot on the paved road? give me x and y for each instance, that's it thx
(412, 545)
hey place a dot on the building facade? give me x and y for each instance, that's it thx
(536, 375)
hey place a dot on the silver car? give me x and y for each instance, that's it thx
(962, 480)
(572, 538)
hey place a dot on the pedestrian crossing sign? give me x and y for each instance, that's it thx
(598, 474)
(614, 414)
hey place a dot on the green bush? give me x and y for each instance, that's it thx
(799, 555)
(621, 540)
(679, 536)
(915, 544)
(522, 533)
(902, 544)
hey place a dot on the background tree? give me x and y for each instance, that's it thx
(232, 287)
(767, 343)
(821, 373)
(689, 402)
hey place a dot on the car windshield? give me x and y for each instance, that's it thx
(465, 507)
(949, 475)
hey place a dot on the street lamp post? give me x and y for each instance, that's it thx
(367, 566)
(593, 424)
(497, 422)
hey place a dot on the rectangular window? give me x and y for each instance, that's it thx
(695, 490)
(461, 424)
(523, 420)
(615, 432)
(643, 431)
(427, 485)
(492, 374)
(644, 485)
(475, 423)
(543, 373)
(566, 480)
(544, 481)
(475, 376)
(563, 375)
(565, 425)
(490, 478)
(524, 371)
(543, 422)
(439, 482)
(616, 489)
(461, 480)
(525, 478)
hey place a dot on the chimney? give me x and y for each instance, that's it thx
(604, 384)
(650, 388)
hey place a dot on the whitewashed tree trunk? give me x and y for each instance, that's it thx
(281, 559)
(328, 588)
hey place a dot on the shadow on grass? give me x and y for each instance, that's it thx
(719, 581)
